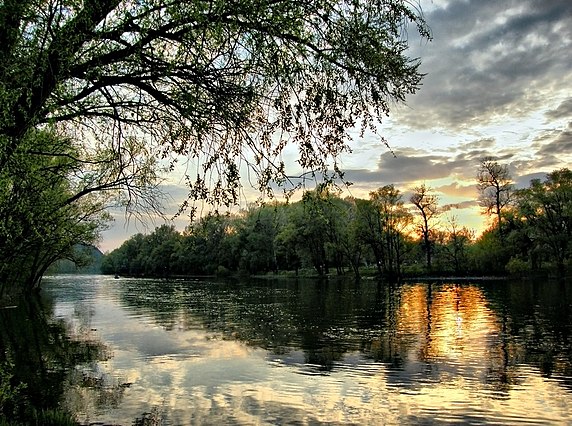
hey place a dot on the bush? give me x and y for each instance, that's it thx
(518, 267)
(222, 271)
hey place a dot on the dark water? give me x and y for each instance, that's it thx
(285, 352)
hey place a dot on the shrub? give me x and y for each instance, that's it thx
(517, 266)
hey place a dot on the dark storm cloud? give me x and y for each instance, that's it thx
(560, 145)
(552, 148)
(563, 110)
(412, 165)
(401, 168)
(490, 58)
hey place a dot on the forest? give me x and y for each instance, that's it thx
(323, 234)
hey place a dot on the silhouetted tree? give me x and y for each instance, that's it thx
(426, 204)
(495, 187)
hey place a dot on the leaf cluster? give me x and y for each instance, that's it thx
(40, 217)
(226, 83)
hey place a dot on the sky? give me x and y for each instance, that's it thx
(498, 84)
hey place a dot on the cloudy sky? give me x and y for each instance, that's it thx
(498, 83)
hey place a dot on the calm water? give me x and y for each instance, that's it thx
(284, 352)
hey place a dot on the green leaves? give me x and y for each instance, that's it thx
(93, 92)
(204, 78)
(546, 209)
(38, 223)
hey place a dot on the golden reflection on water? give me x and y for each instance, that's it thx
(451, 323)
(451, 328)
(458, 365)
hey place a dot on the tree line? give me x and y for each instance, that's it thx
(530, 233)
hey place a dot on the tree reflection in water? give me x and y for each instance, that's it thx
(462, 348)
(43, 360)
(433, 330)
(536, 320)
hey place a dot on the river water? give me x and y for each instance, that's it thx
(159, 352)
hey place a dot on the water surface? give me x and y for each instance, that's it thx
(311, 352)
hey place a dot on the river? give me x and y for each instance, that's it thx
(185, 352)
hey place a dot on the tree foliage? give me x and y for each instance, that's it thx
(40, 218)
(454, 242)
(212, 80)
(427, 205)
(118, 91)
(546, 209)
(324, 234)
(383, 224)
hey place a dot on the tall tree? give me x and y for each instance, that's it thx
(312, 227)
(258, 235)
(209, 237)
(288, 239)
(370, 231)
(40, 218)
(495, 187)
(136, 85)
(426, 204)
(394, 219)
(336, 214)
(351, 243)
(455, 245)
(383, 219)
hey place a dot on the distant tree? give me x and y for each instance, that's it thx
(495, 187)
(370, 231)
(336, 214)
(487, 255)
(258, 235)
(82, 260)
(426, 204)
(161, 248)
(288, 239)
(546, 206)
(454, 245)
(384, 220)
(394, 219)
(522, 255)
(155, 254)
(210, 243)
(351, 243)
(312, 228)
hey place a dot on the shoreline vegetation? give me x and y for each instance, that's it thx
(363, 277)
(324, 235)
